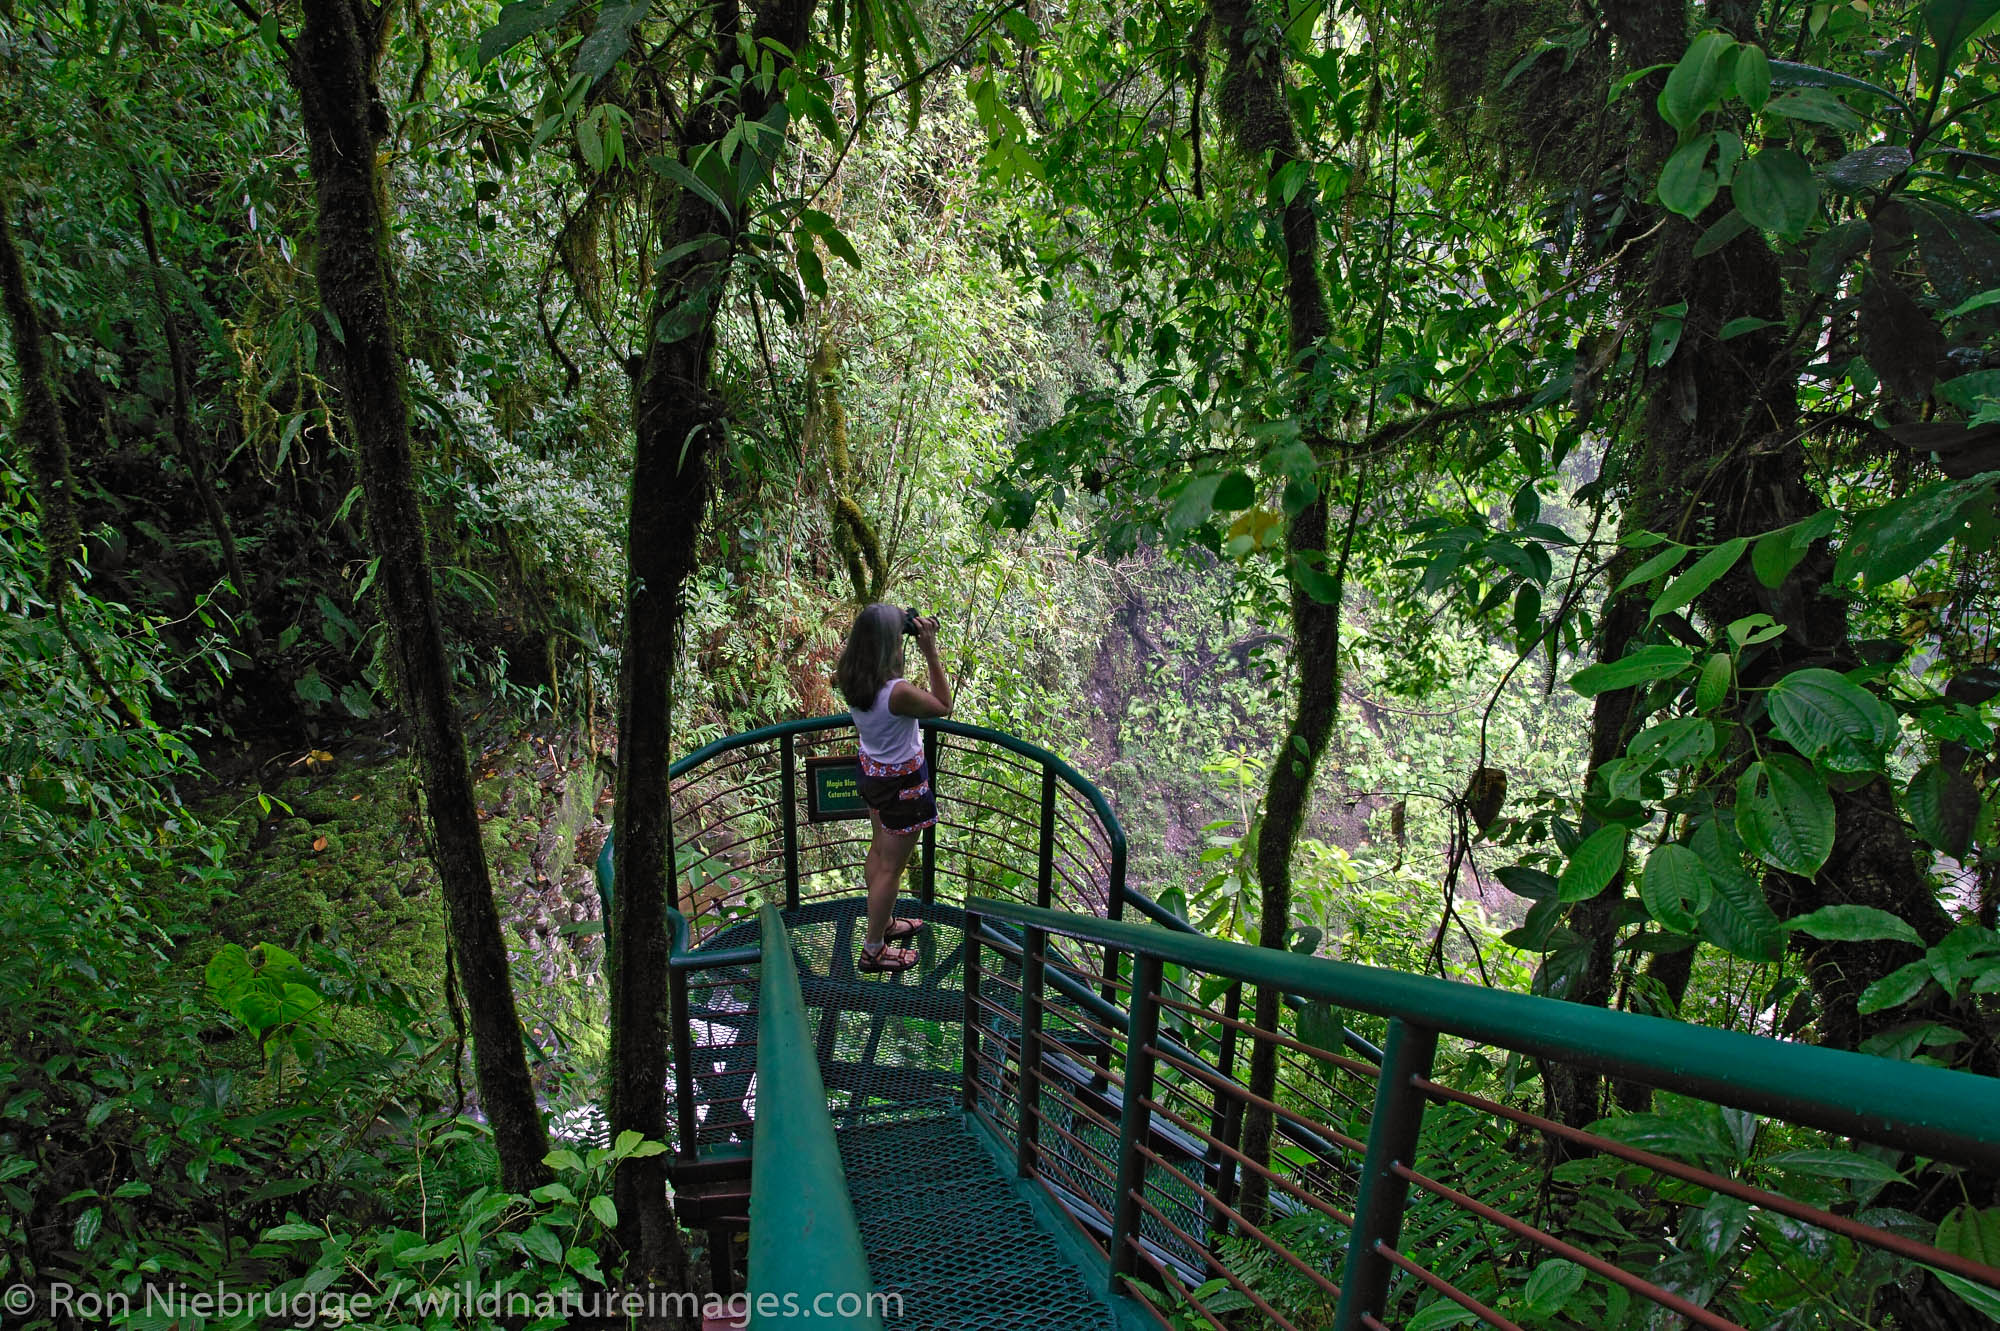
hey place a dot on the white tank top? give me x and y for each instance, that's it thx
(885, 737)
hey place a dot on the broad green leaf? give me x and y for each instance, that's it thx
(1695, 83)
(1890, 541)
(563, 1158)
(1195, 502)
(542, 1242)
(1675, 743)
(1675, 887)
(609, 39)
(1865, 168)
(1977, 303)
(1444, 1313)
(1971, 1232)
(1777, 553)
(1593, 866)
(1968, 392)
(85, 1231)
(1233, 492)
(1896, 988)
(1525, 882)
(1687, 184)
(520, 20)
(1944, 807)
(1837, 724)
(293, 1232)
(1729, 227)
(1552, 1285)
(1785, 814)
(1699, 577)
(1712, 688)
(1749, 323)
(1718, 1225)
(1854, 924)
(1815, 106)
(1753, 76)
(843, 248)
(1738, 919)
(1982, 1299)
(1653, 566)
(1657, 661)
(605, 1210)
(1822, 1162)
(1776, 191)
(1791, 74)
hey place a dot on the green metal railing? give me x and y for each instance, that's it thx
(1376, 1179)
(1108, 1060)
(806, 1259)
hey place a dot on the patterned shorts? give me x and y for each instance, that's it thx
(901, 793)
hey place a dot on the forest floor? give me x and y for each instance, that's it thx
(339, 858)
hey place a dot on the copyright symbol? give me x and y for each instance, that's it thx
(18, 1299)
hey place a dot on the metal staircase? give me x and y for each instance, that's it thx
(1048, 1122)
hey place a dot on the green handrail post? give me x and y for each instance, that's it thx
(927, 879)
(1028, 1090)
(805, 1246)
(969, 1071)
(1045, 866)
(791, 804)
(1397, 1118)
(677, 1016)
(1136, 1116)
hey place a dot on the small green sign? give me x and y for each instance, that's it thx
(833, 790)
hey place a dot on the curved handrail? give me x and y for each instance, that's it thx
(805, 1244)
(1118, 892)
(812, 725)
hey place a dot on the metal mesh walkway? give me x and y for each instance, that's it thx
(943, 1226)
(946, 1231)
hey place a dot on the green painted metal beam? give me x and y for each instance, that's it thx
(1933, 1111)
(806, 1258)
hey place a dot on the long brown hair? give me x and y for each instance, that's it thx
(873, 655)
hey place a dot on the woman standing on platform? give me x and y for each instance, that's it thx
(895, 777)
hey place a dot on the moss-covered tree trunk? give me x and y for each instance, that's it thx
(678, 421)
(1717, 457)
(1253, 100)
(333, 67)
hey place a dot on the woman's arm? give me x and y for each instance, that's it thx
(906, 699)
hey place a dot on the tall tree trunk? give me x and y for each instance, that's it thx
(677, 423)
(1718, 457)
(1253, 98)
(333, 67)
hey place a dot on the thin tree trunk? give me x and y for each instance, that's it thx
(677, 423)
(333, 68)
(193, 454)
(1254, 96)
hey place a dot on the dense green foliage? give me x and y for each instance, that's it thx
(1656, 420)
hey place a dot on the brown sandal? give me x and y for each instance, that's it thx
(902, 927)
(885, 960)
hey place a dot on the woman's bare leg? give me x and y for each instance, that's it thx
(888, 853)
